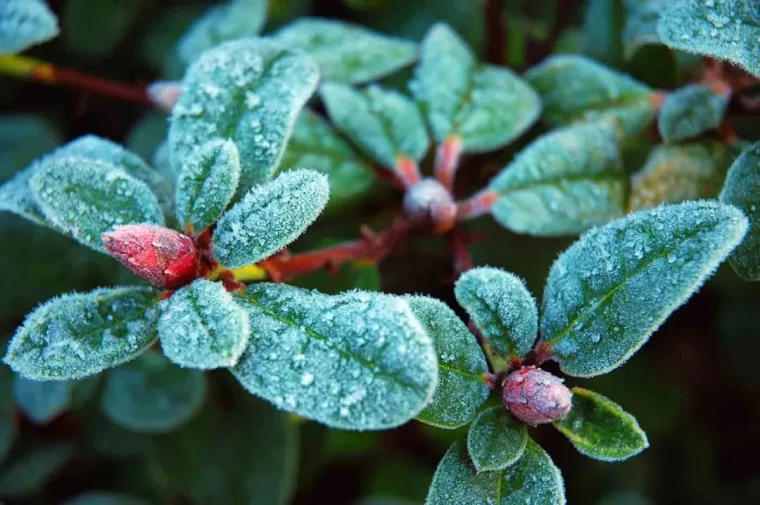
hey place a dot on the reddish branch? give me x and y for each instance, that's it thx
(55, 75)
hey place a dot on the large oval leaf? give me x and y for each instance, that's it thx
(77, 335)
(615, 286)
(690, 111)
(24, 23)
(358, 361)
(496, 439)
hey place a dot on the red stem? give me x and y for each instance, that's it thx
(408, 171)
(477, 205)
(56, 75)
(460, 250)
(447, 161)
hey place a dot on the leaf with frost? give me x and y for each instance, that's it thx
(150, 395)
(16, 196)
(28, 474)
(201, 326)
(25, 23)
(564, 182)
(315, 144)
(501, 307)
(355, 361)
(461, 365)
(742, 189)
(614, 287)
(269, 217)
(532, 479)
(640, 27)
(601, 429)
(206, 184)
(486, 106)
(104, 498)
(384, 123)
(496, 439)
(346, 52)
(77, 335)
(725, 29)
(689, 112)
(233, 19)
(249, 91)
(42, 401)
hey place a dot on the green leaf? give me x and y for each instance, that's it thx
(16, 196)
(533, 479)
(23, 138)
(93, 28)
(725, 29)
(689, 112)
(563, 183)
(602, 25)
(42, 402)
(24, 23)
(346, 52)
(357, 361)
(249, 91)
(84, 198)
(614, 287)
(501, 307)
(640, 27)
(461, 365)
(206, 184)
(269, 217)
(77, 335)
(496, 439)
(28, 474)
(104, 498)
(201, 326)
(316, 145)
(601, 429)
(486, 106)
(234, 19)
(384, 123)
(742, 189)
(150, 395)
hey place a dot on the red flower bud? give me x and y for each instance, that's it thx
(535, 396)
(163, 257)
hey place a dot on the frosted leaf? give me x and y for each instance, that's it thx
(501, 307)
(77, 335)
(384, 123)
(150, 395)
(42, 402)
(563, 183)
(24, 23)
(356, 361)
(532, 479)
(496, 439)
(316, 145)
(84, 198)
(461, 365)
(742, 189)
(725, 29)
(27, 474)
(201, 326)
(640, 27)
(346, 52)
(233, 19)
(486, 106)
(16, 196)
(104, 498)
(689, 112)
(249, 91)
(269, 217)
(614, 287)
(601, 429)
(206, 184)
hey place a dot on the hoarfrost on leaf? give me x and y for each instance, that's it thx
(496, 439)
(24, 23)
(689, 112)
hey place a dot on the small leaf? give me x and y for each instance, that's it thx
(501, 307)
(206, 184)
(601, 429)
(201, 326)
(640, 27)
(357, 361)
(614, 287)
(496, 439)
(84, 198)
(104, 498)
(249, 91)
(346, 52)
(28, 474)
(461, 365)
(77, 335)
(564, 182)
(726, 29)
(42, 402)
(384, 123)
(689, 112)
(742, 189)
(269, 217)
(484, 105)
(150, 395)
(24, 23)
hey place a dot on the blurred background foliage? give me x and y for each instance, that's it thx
(695, 388)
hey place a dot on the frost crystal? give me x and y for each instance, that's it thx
(24, 23)
(690, 111)
(496, 440)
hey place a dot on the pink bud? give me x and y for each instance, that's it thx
(535, 396)
(163, 257)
